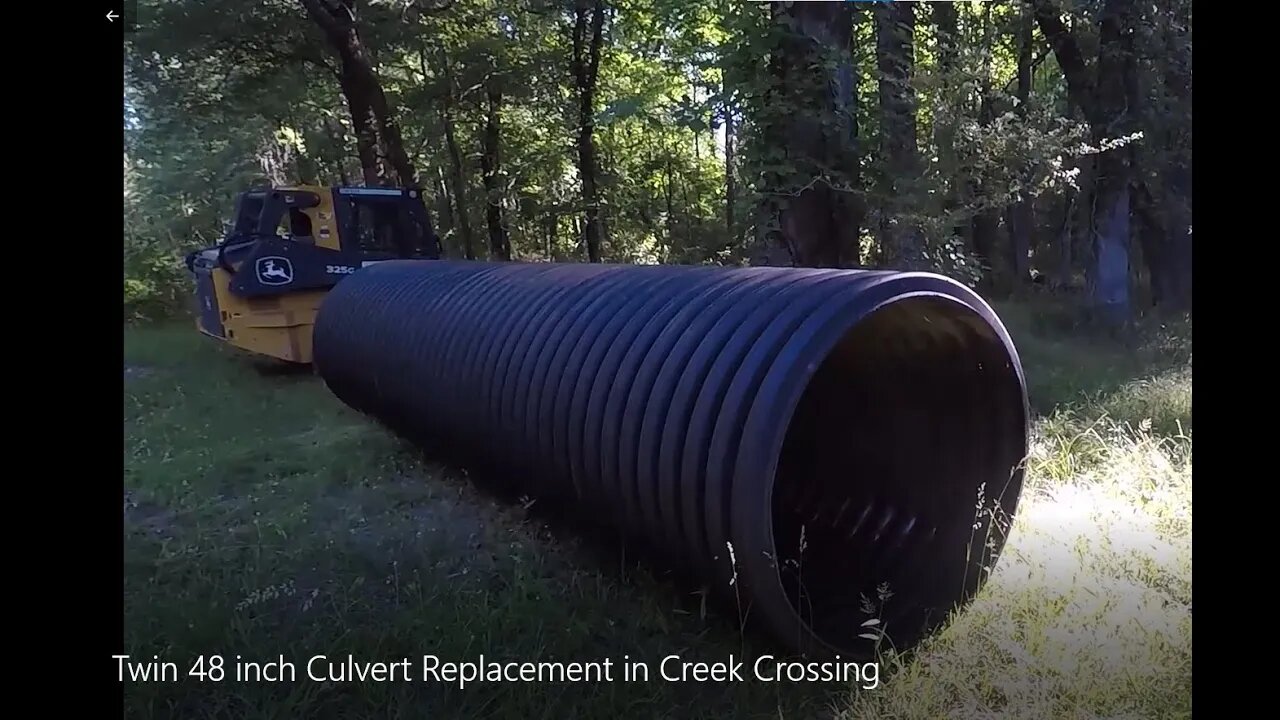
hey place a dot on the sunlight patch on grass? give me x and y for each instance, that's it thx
(1087, 614)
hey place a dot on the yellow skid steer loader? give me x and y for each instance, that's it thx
(259, 288)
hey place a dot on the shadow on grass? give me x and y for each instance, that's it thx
(1143, 375)
(365, 576)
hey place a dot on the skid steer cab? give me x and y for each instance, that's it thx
(259, 289)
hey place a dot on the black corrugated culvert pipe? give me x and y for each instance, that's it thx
(800, 439)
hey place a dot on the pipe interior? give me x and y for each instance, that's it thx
(915, 415)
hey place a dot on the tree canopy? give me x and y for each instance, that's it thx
(1015, 145)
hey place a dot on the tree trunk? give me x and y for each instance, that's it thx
(986, 231)
(457, 176)
(730, 191)
(490, 164)
(902, 246)
(458, 180)
(1022, 213)
(1080, 84)
(1021, 216)
(813, 100)
(366, 136)
(1112, 202)
(1178, 240)
(553, 224)
(1151, 234)
(457, 170)
(1106, 98)
(1066, 242)
(393, 144)
(444, 204)
(339, 146)
(668, 186)
(588, 30)
(946, 21)
(1177, 184)
(647, 212)
(986, 219)
(377, 130)
(306, 165)
(1082, 248)
(1081, 96)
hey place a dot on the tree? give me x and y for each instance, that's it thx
(490, 164)
(1106, 95)
(377, 129)
(588, 31)
(901, 245)
(811, 209)
(689, 131)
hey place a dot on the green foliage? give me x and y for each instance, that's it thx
(153, 278)
(224, 94)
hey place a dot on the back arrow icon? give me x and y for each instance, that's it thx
(111, 16)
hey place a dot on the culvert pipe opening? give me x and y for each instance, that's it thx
(836, 452)
(903, 450)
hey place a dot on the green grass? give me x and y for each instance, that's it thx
(265, 519)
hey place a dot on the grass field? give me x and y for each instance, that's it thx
(264, 519)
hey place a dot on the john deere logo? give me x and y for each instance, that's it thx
(275, 270)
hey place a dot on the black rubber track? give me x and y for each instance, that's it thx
(836, 452)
